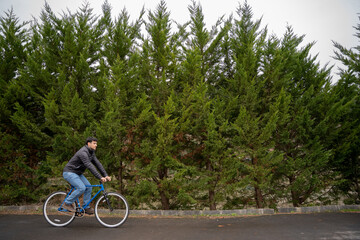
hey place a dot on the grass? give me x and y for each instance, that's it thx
(350, 210)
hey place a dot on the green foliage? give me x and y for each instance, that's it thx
(187, 118)
(13, 40)
(345, 142)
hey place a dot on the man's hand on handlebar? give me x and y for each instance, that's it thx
(106, 179)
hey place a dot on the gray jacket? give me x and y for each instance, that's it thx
(83, 159)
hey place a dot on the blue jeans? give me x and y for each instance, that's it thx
(79, 182)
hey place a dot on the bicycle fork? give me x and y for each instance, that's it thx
(107, 201)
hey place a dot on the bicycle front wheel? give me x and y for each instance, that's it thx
(54, 213)
(111, 210)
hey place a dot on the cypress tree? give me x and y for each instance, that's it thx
(252, 127)
(346, 142)
(13, 40)
(200, 72)
(155, 150)
(121, 35)
(216, 152)
(72, 105)
(121, 94)
(302, 137)
(115, 130)
(195, 108)
(207, 46)
(22, 114)
(160, 59)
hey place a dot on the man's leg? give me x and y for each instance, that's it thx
(87, 193)
(75, 181)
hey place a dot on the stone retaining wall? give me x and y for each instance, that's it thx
(235, 212)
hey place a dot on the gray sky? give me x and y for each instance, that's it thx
(320, 20)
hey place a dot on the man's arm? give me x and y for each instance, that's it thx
(84, 158)
(100, 167)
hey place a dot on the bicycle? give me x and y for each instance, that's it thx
(111, 209)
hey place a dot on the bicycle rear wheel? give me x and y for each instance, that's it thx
(53, 213)
(111, 210)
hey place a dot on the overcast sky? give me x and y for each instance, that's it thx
(320, 20)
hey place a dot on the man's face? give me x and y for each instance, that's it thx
(92, 145)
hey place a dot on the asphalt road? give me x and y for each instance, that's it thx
(279, 226)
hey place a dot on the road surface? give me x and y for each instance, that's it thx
(276, 227)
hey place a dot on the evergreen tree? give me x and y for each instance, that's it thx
(160, 74)
(346, 143)
(200, 71)
(253, 120)
(216, 152)
(121, 37)
(195, 109)
(115, 130)
(13, 40)
(206, 45)
(73, 104)
(22, 116)
(312, 114)
(155, 149)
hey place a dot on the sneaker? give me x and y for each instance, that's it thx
(69, 207)
(89, 211)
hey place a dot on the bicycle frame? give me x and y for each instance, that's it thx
(102, 189)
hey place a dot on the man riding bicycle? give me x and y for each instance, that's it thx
(73, 173)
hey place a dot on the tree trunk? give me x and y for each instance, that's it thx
(258, 194)
(294, 199)
(259, 198)
(120, 177)
(212, 202)
(294, 194)
(165, 202)
(357, 189)
(212, 199)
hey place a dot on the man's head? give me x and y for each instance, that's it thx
(91, 142)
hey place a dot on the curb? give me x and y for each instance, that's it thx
(235, 212)
(319, 209)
